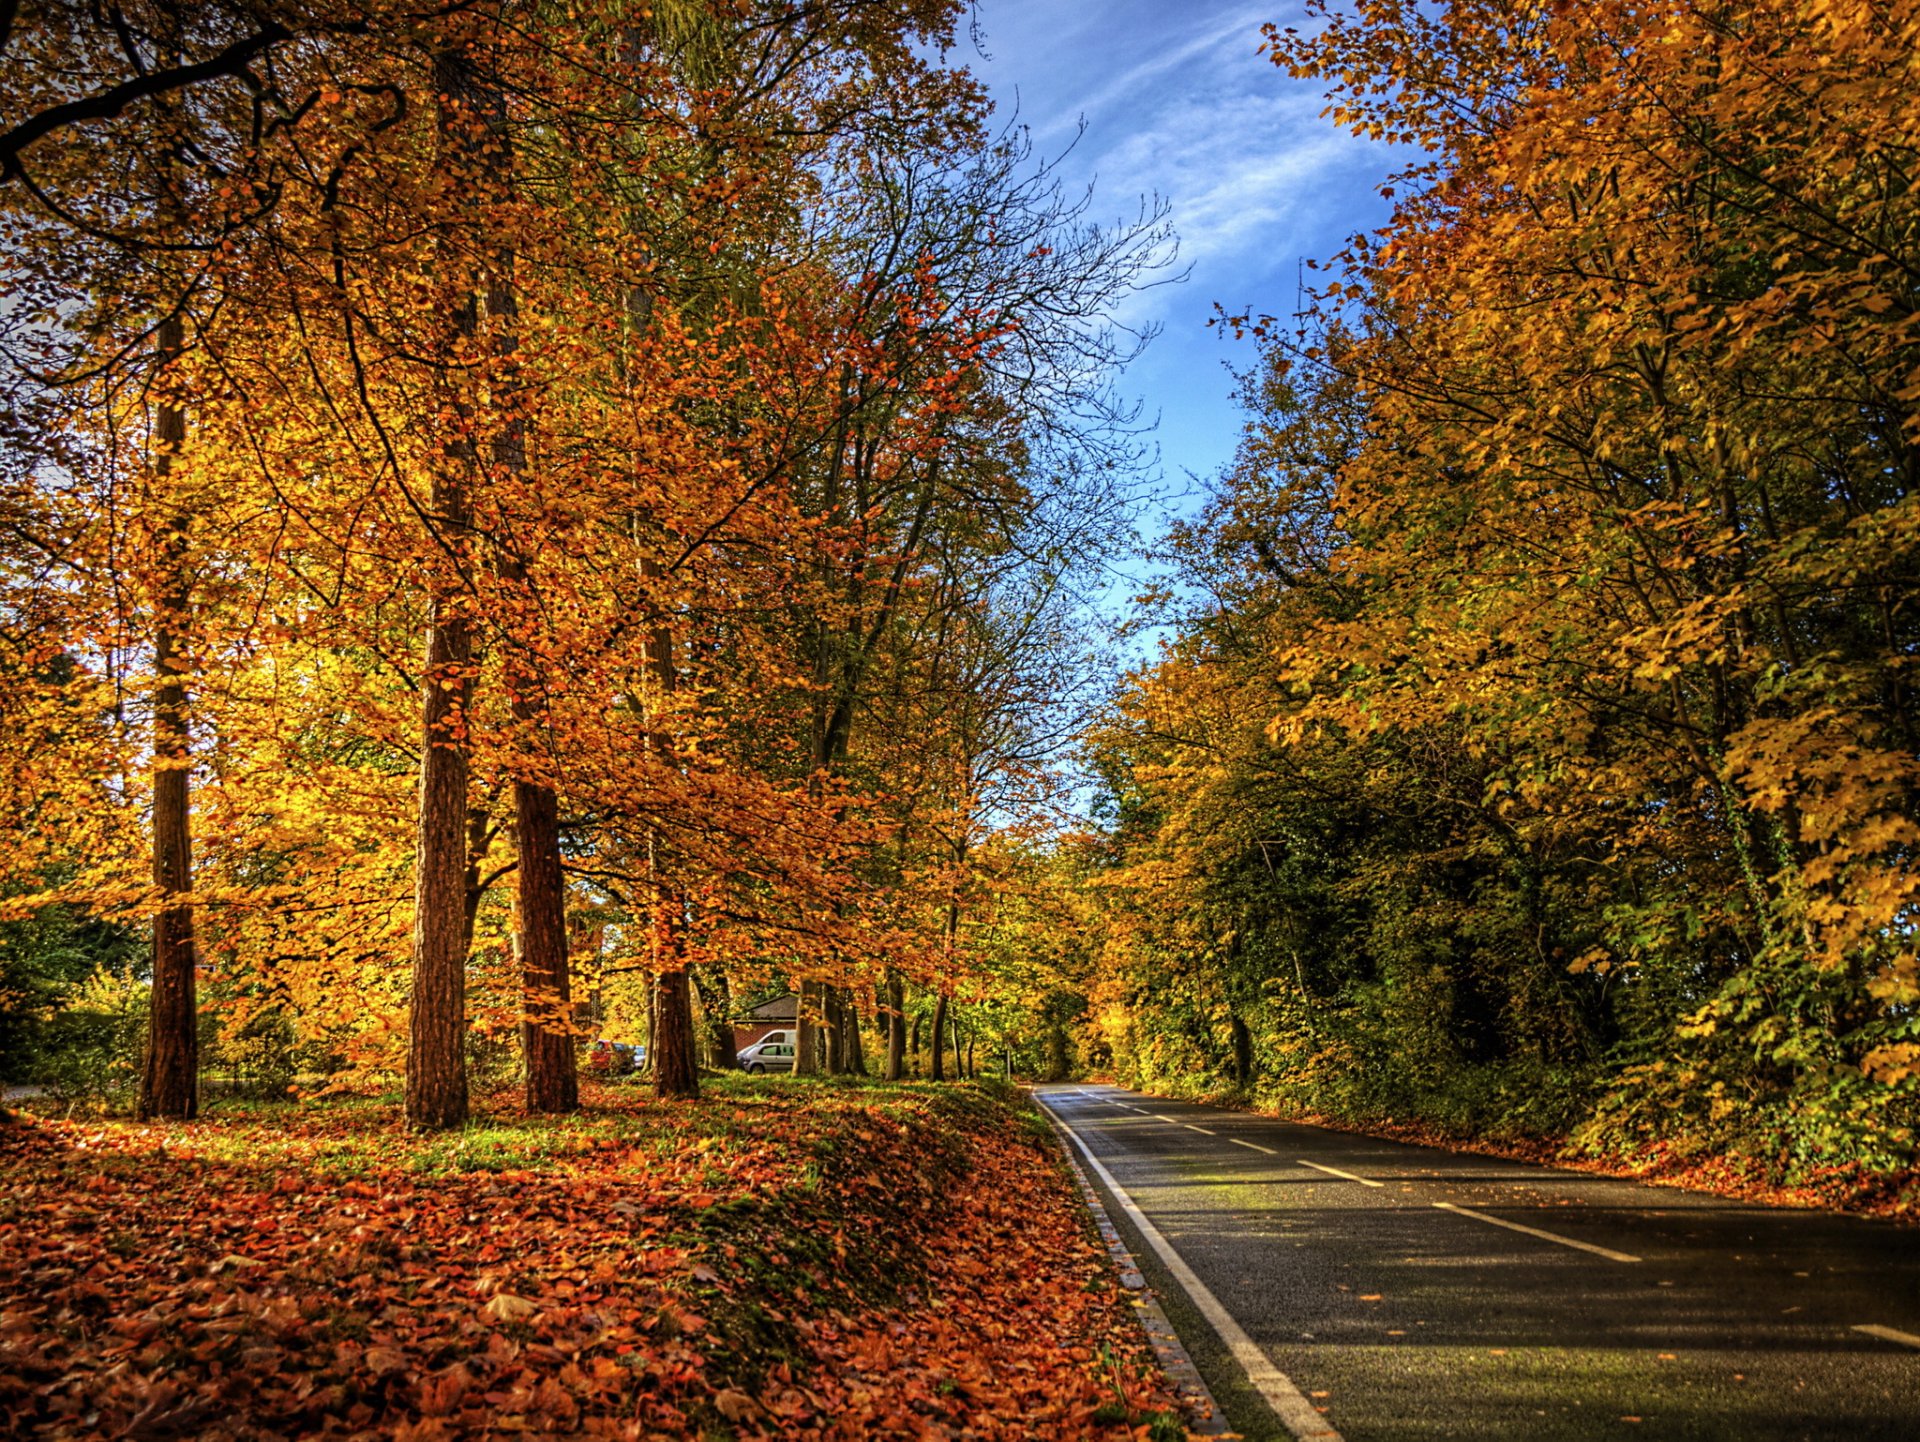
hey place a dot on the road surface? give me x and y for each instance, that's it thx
(1401, 1292)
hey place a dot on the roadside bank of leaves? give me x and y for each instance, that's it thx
(780, 1259)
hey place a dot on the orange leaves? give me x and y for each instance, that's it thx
(971, 1314)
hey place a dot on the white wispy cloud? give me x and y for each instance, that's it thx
(1179, 103)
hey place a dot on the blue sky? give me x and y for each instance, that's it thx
(1178, 102)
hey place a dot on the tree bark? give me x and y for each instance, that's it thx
(835, 1029)
(437, 1007)
(546, 988)
(805, 1030)
(853, 1050)
(675, 1072)
(716, 1001)
(896, 1026)
(170, 1074)
(939, 1031)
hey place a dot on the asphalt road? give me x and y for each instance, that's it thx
(1644, 1312)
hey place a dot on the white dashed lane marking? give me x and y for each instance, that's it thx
(1344, 1176)
(1606, 1252)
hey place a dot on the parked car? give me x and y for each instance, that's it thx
(767, 1055)
(616, 1058)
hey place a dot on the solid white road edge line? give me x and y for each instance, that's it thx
(1889, 1334)
(1606, 1252)
(1254, 1146)
(1344, 1176)
(1295, 1412)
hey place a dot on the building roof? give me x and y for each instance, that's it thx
(781, 1008)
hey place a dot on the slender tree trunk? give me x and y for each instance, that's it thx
(553, 1082)
(170, 1076)
(972, 1070)
(806, 1029)
(913, 1045)
(676, 1070)
(854, 1051)
(716, 1001)
(835, 1029)
(937, 1044)
(896, 1026)
(437, 1009)
(479, 840)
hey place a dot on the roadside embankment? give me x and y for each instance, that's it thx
(779, 1259)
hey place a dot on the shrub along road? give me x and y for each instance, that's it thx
(1407, 1292)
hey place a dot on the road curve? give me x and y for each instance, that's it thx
(1411, 1293)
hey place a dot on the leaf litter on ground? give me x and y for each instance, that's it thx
(776, 1260)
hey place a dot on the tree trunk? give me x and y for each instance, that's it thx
(938, 1045)
(675, 1073)
(972, 1071)
(853, 1050)
(805, 1030)
(835, 1029)
(170, 1076)
(546, 989)
(716, 1001)
(437, 1008)
(896, 1026)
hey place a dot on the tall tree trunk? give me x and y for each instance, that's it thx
(938, 1046)
(553, 1082)
(806, 1029)
(676, 1070)
(854, 1051)
(437, 1008)
(716, 1001)
(896, 1026)
(913, 1045)
(835, 1029)
(170, 1075)
(546, 987)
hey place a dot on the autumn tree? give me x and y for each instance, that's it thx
(1541, 668)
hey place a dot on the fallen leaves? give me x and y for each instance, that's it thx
(841, 1263)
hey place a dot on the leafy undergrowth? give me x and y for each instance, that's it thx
(779, 1259)
(1661, 1162)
